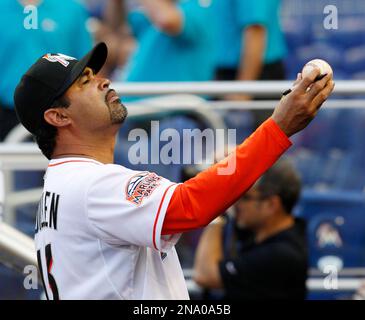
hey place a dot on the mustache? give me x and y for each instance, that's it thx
(107, 94)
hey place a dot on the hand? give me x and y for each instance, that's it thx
(298, 108)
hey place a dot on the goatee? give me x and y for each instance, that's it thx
(118, 112)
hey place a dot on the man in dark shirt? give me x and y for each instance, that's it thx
(265, 255)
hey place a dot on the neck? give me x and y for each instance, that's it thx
(274, 226)
(100, 150)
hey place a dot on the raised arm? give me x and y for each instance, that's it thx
(199, 200)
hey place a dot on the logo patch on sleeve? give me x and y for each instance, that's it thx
(141, 186)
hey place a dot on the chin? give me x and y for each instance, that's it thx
(118, 112)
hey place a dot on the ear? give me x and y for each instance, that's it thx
(275, 204)
(57, 117)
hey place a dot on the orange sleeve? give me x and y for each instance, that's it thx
(198, 201)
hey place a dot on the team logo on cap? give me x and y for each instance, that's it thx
(59, 57)
(141, 186)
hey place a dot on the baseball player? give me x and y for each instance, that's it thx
(104, 231)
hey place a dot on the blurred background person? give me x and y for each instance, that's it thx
(54, 27)
(175, 41)
(250, 44)
(108, 24)
(265, 256)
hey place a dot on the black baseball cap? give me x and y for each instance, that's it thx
(49, 78)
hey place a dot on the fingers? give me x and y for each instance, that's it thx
(318, 87)
(323, 95)
(297, 80)
(306, 81)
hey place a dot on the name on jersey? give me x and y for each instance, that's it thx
(47, 211)
(141, 186)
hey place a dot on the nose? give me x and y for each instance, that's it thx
(104, 83)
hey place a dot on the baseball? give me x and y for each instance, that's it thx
(322, 65)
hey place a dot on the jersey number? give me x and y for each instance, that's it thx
(51, 279)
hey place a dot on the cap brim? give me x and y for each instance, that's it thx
(95, 59)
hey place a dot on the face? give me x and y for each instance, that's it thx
(252, 210)
(94, 106)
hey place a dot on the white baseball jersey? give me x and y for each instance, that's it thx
(98, 233)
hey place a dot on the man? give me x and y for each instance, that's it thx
(104, 231)
(266, 255)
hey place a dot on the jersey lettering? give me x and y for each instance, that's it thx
(47, 211)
